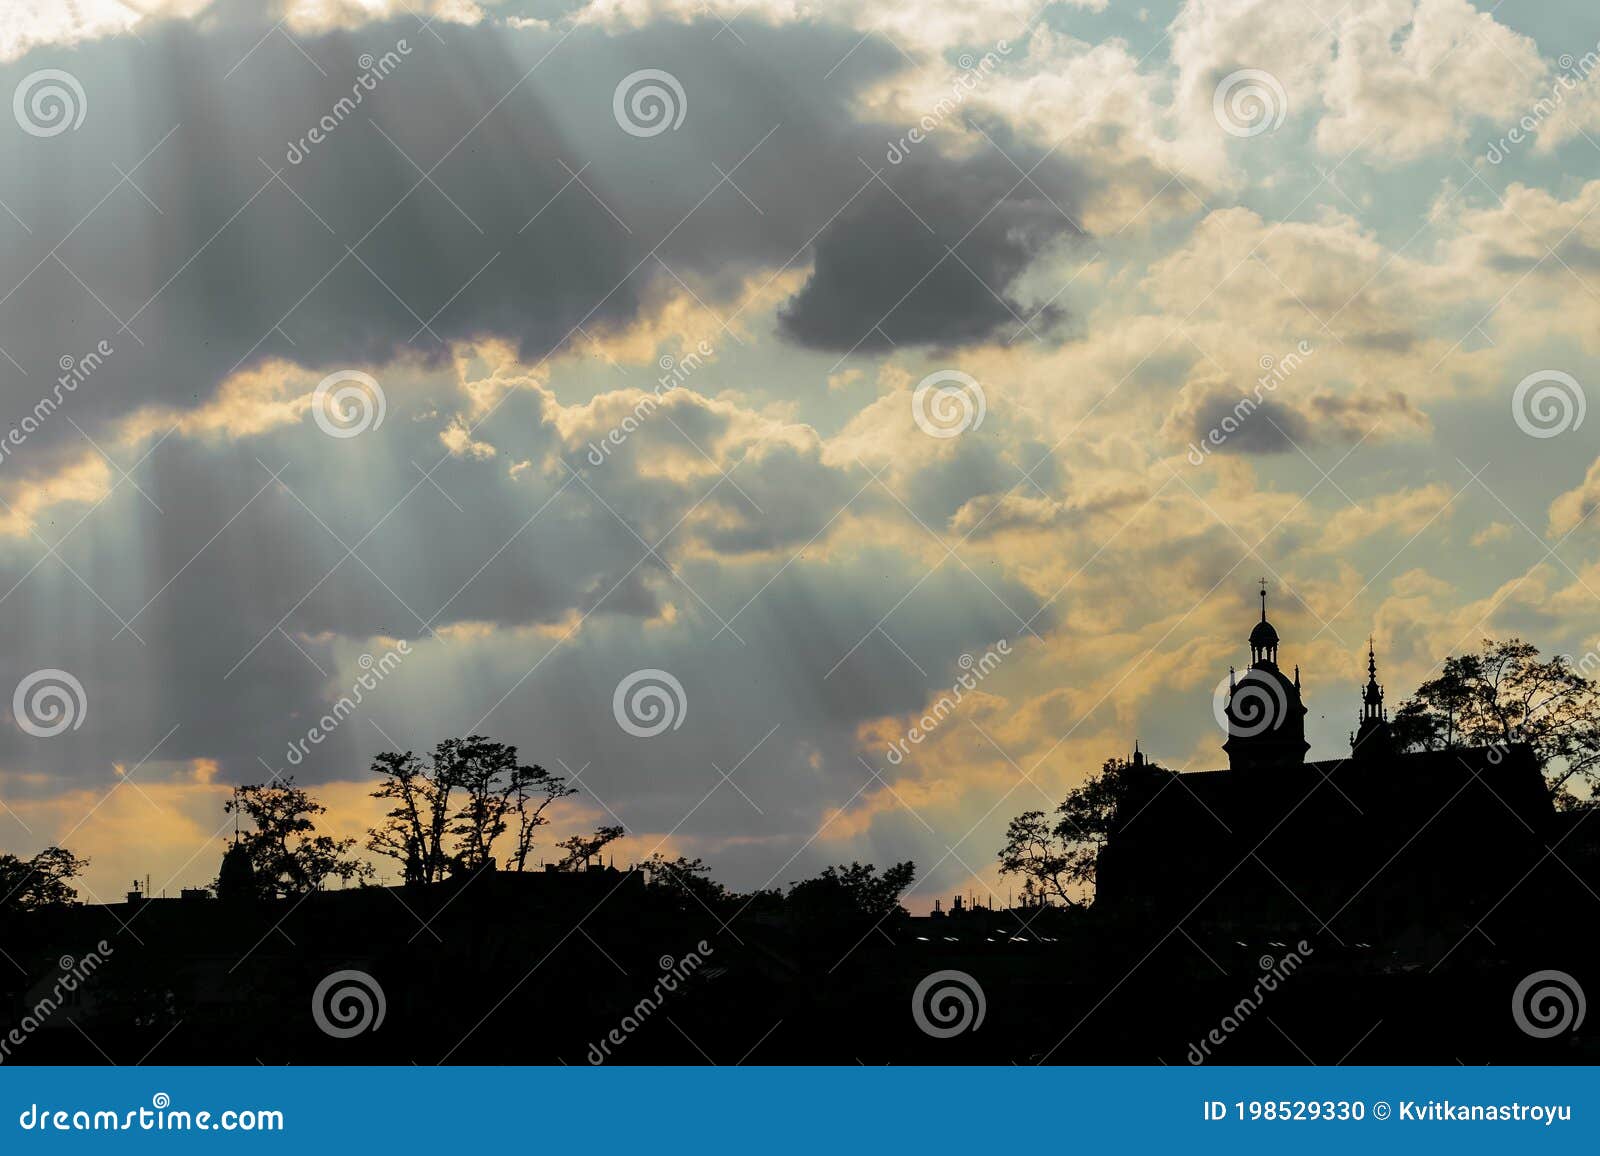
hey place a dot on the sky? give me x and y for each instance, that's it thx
(695, 394)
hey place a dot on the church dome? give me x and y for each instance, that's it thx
(1263, 715)
(1263, 635)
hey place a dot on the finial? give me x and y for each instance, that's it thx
(1263, 582)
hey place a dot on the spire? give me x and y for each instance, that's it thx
(1372, 738)
(1265, 714)
(1372, 693)
(1263, 638)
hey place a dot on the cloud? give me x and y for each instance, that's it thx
(338, 250)
(930, 265)
(1267, 428)
(621, 429)
(1571, 509)
(1394, 80)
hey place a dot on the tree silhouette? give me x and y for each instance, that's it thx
(42, 881)
(582, 849)
(286, 854)
(688, 878)
(1057, 854)
(851, 894)
(1505, 694)
(450, 811)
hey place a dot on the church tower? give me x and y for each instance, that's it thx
(1264, 715)
(1372, 735)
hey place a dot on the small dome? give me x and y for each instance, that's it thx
(1263, 636)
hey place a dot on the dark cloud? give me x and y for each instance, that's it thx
(256, 596)
(927, 261)
(1239, 423)
(1343, 417)
(1248, 426)
(538, 214)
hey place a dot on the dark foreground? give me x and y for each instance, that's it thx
(528, 970)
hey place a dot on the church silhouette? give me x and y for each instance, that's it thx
(1361, 846)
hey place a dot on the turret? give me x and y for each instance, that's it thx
(1372, 735)
(1264, 715)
